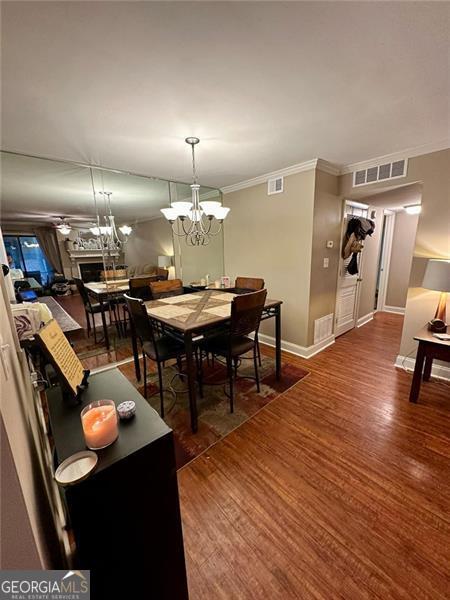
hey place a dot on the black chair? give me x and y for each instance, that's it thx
(155, 345)
(246, 311)
(94, 308)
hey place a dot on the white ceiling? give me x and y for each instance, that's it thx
(263, 84)
(396, 198)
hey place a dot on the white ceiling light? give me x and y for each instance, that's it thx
(125, 229)
(195, 218)
(413, 209)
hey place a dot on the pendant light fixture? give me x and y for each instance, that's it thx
(197, 220)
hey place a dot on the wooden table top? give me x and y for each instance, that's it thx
(189, 312)
(103, 287)
(425, 335)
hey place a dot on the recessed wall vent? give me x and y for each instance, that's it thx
(275, 185)
(323, 328)
(383, 172)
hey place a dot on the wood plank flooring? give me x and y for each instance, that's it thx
(340, 488)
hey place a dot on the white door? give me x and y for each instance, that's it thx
(348, 285)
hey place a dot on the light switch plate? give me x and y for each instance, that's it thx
(326, 262)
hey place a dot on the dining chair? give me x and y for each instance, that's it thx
(94, 308)
(140, 287)
(244, 285)
(246, 312)
(164, 289)
(155, 345)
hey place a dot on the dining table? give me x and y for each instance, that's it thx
(102, 291)
(190, 316)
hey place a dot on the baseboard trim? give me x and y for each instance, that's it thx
(365, 319)
(302, 351)
(399, 310)
(438, 371)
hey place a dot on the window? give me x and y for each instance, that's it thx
(27, 255)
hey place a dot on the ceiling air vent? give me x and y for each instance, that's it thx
(382, 172)
(275, 185)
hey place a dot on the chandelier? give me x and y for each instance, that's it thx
(108, 232)
(197, 220)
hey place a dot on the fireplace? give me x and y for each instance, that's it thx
(90, 271)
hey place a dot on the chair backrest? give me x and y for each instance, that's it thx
(142, 323)
(140, 287)
(164, 289)
(82, 291)
(243, 284)
(246, 311)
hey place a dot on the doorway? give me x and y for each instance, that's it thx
(384, 260)
(348, 284)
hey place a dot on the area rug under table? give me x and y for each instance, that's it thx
(214, 418)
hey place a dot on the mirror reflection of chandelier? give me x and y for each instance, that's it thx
(108, 232)
(197, 220)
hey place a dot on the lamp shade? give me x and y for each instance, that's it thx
(164, 261)
(437, 275)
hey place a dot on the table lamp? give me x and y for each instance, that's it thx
(437, 278)
(164, 261)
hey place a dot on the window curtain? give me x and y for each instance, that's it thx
(46, 236)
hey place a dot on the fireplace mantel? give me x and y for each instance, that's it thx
(80, 255)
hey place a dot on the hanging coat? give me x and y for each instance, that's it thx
(357, 230)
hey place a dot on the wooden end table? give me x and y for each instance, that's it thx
(429, 348)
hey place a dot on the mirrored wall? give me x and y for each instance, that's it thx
(63, 223)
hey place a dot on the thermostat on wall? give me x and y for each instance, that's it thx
(330, 243)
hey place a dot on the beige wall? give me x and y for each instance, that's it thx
(433, 234)
(327, 221)
(401, 258)
(271, 237)
(149, 240)
(195, 262)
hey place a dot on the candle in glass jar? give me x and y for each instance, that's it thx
(100, 424)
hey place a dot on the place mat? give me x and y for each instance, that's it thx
(169, 312)
(223, 310)
(181, 298)
(226, 296)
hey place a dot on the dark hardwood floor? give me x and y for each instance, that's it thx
(340, 488)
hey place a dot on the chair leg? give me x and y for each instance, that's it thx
(145, 374)
(259, 350)
(255, 362)
(88, 323)
(93, 327)
(230, 379)
(161, 390)
(117, 322)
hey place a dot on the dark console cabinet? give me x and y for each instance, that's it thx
(125, 517)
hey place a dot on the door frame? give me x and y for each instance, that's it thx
(385, 254)
(359, 206)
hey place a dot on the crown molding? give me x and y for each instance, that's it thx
(402, 154)
(316, 163)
